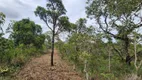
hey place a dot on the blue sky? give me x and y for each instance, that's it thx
(19, 9)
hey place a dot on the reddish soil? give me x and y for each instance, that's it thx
(40, 69)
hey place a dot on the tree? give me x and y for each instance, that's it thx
(137, 66)
(81, 25)
(2, 20)
(53, 18)
(121, 16)
(3, 42)
(26, 32)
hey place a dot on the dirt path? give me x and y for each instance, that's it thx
(40, 69)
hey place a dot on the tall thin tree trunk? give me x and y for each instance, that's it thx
(109, 61)
(137, 66)
(126, 47)
(52, 53)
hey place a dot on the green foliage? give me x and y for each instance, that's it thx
(14, 58)
(39, 41)
(84, 47)
(80, 47)
(53, 15)
(26, 42)
(5, 45)
(64, 24)
(55, 8)
(121, 16)
(117, 15)
(81, 25)
(115, 8)
(19, 55)
(27, 32)
(2, 20)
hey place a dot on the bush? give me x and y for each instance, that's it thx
(16, 57)
(97, 64)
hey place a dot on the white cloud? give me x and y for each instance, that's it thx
(19, 9)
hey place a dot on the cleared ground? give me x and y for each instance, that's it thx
(40, 69)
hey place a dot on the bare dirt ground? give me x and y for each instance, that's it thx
(40, 69)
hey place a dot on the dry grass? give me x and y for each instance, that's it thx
(132, 77)
(40, 69)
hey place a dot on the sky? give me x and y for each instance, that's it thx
(19, 9)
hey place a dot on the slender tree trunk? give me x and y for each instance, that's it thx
(85, 70)
(52, 53)
(109, 61)
(126, 47)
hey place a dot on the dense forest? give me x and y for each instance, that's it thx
(110, 49)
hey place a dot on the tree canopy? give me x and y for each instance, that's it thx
(2, 20)
(27, 32)
(121, 16)
(53, 16)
